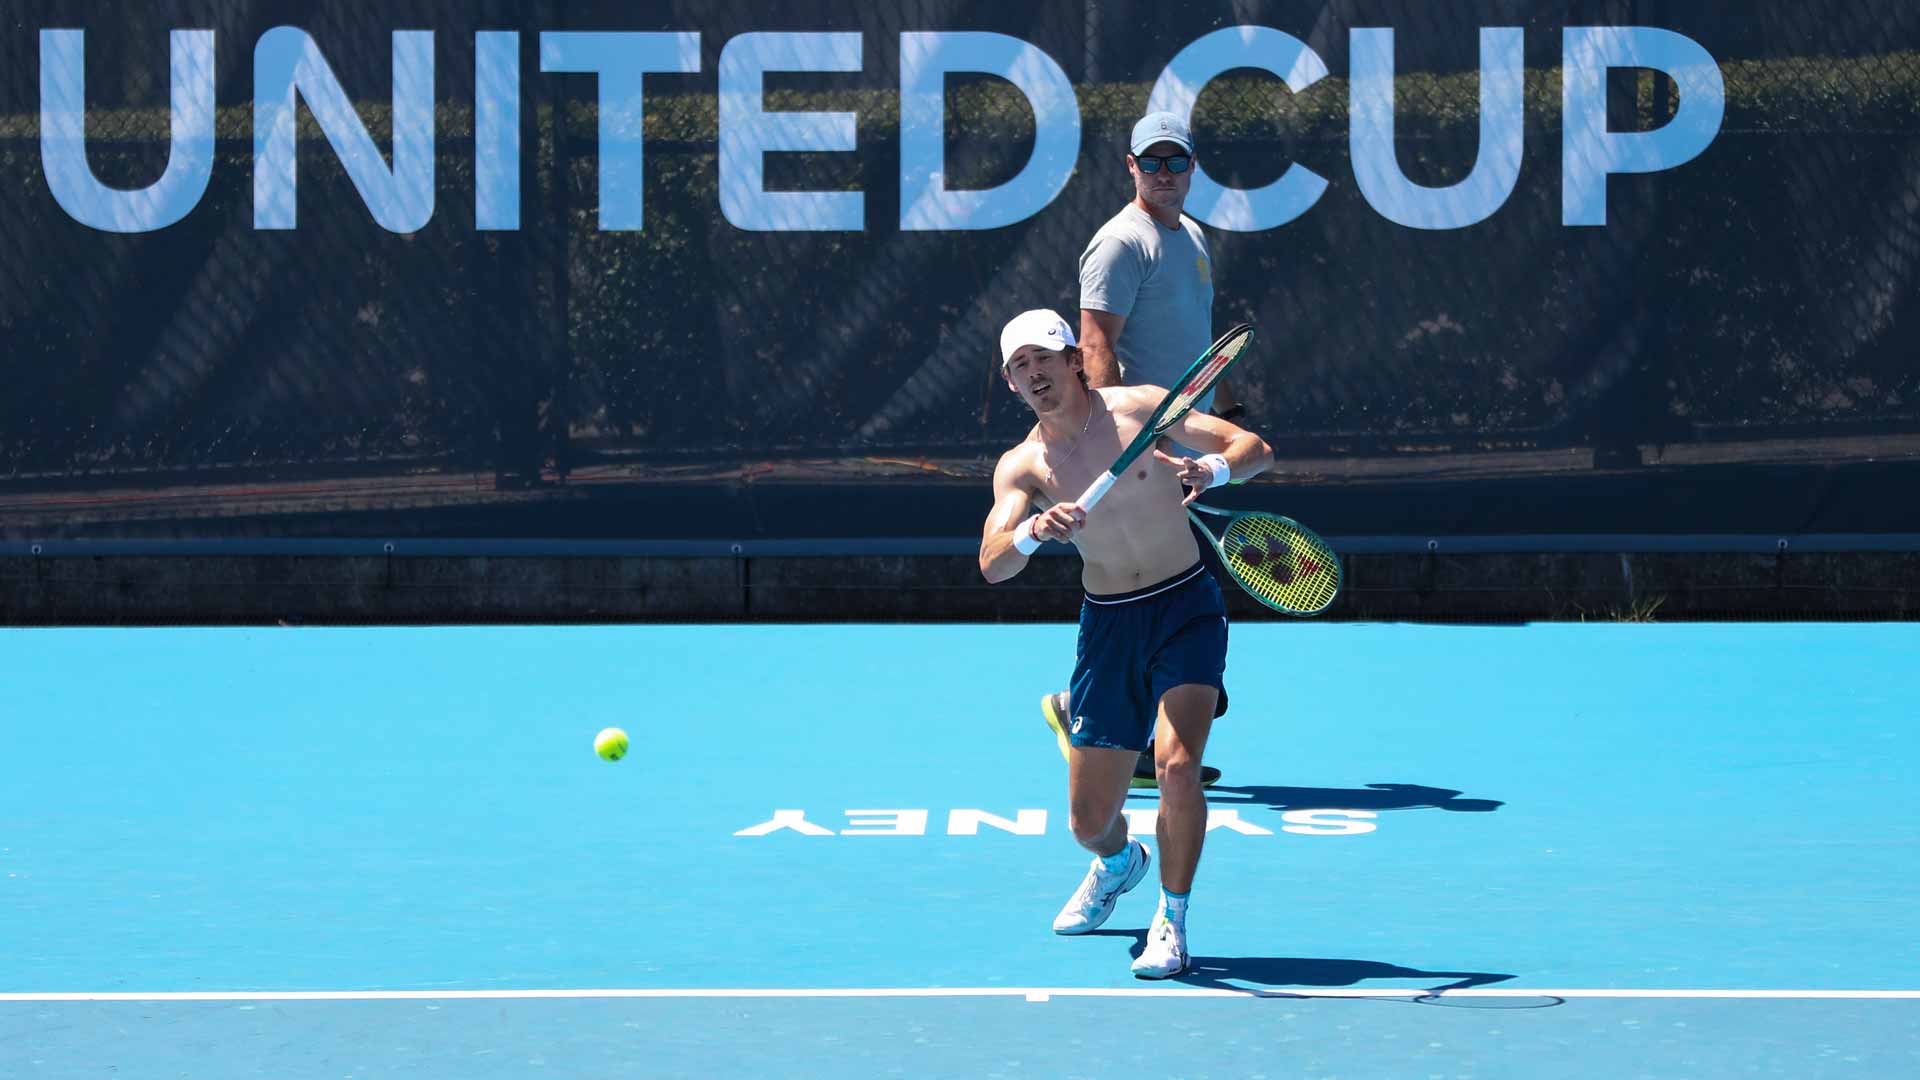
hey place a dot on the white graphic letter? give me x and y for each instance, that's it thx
(886, 823)
(1328, 822)
(63, 136)
(748, 133)
(925, 201)
(1376, 163)
(1179, 87)
(288, 68)
(786, 819)
(1230, 819)
(1590, 153)
(622, 60)
(968, 822)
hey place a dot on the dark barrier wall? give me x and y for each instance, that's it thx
(524, 270)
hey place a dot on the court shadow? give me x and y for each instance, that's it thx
(1372, 797)
(1249, 972)
(1298, 976)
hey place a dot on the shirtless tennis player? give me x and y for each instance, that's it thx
(1153, 628)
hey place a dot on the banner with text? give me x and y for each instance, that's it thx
(488, 269)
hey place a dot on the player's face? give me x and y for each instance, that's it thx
(1043, 377)
(1164, 187)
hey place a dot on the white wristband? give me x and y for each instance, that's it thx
(1222, 472)
(1023, 539)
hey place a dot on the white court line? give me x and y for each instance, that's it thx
(1028, 993)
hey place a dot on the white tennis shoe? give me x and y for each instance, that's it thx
(1166, 953)
(1093, 901)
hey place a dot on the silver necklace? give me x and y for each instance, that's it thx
(1052, 468)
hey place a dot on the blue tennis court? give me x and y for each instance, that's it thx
(1568, 850)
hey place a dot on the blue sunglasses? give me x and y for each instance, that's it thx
(1175, 163)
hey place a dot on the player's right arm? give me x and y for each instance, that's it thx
(1012, 525)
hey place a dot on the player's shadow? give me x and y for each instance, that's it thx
(1246, 972)
(1296, 976)
(1373, 797)
(1282, 976)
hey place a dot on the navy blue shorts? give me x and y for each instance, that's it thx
(1136, 646)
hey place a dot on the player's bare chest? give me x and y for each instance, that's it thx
(1065, 473)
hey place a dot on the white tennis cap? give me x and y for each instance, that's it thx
(1161, 127)
(1037, 327)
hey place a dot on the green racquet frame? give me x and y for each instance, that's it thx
(1192, 386)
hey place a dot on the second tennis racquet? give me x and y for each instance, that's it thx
(1278, 561)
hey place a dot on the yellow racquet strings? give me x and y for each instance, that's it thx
(1287, 568)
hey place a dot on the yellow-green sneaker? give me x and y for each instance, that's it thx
(1054, 708)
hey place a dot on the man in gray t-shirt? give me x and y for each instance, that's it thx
(1146, 278)
(1146, 307)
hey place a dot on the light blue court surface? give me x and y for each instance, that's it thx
(835, 851)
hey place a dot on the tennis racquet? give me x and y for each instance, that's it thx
(1278, 561)
(1192, 386)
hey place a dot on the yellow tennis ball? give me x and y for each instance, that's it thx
(611, 744)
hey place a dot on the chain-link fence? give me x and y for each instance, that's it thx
(1755, 304)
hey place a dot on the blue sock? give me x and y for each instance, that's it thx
(1173, 905)
(1118, 862)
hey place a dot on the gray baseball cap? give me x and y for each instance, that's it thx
(1161, 127)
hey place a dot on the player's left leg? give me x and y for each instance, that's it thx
(1185, 721)
(1180, 739)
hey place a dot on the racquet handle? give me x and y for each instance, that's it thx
(1098, 491)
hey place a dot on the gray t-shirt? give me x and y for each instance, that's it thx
(1162, 281)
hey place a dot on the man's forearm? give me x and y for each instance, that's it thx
(1101, 365)
(1248, 455)
(1000, 559)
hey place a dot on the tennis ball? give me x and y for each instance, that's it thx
(611, 744)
